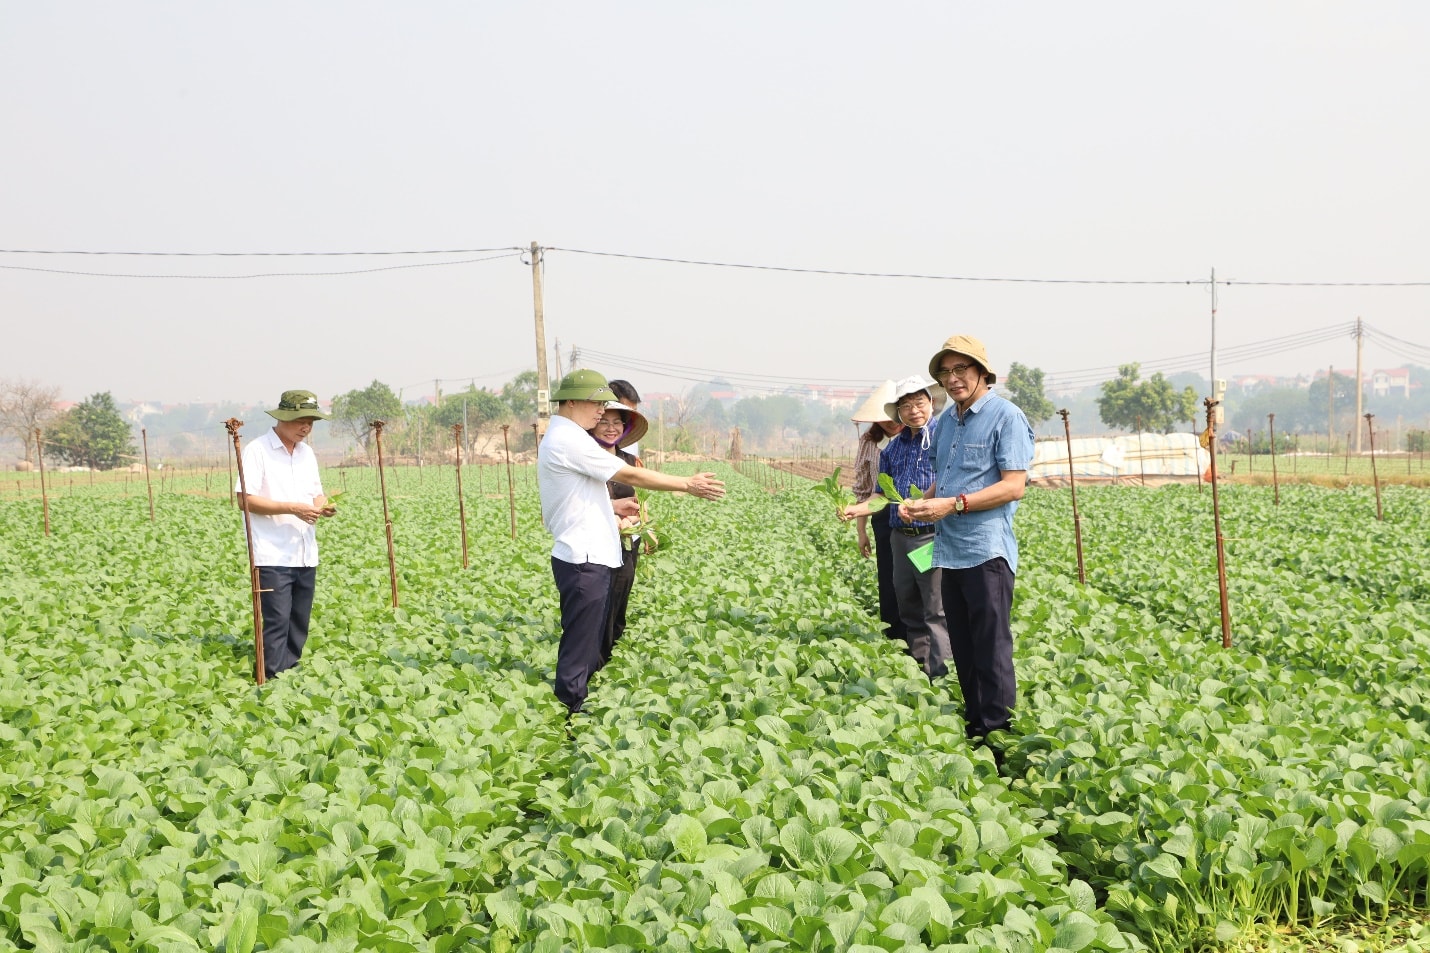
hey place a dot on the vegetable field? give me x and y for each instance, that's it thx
(757, 770)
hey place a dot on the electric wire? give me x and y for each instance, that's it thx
(276, 274)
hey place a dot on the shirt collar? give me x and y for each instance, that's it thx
(973, 408)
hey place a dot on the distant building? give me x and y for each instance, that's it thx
(1384, 383)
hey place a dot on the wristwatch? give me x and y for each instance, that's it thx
(960, 504)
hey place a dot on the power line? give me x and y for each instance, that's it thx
(257, 254)
(276, 274)
(873, 274)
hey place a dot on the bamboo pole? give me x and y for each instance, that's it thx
(461, 501)
(232, 425)
(1220, 540)
(1375, 477)
(510, 489)
(44, 495)
(1275, 483)
(144, 435)
(377, 426)
(1072, 484)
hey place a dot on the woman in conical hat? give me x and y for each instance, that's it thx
(866, 483)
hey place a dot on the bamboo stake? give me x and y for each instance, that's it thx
(144, 435)
(1375, 478)
(1275, 483)
(44, 495)
(461, 501)
(1220, 540)
(377, 426)
(1072, 484)
(232, 425)
(228, 452)
(510, 490)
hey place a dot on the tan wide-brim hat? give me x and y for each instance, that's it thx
(967, 346)
(872, 410)
(905, 387)
(636, 423)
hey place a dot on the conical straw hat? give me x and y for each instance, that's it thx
(872, 410)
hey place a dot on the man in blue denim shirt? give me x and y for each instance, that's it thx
(908, 461)
(983, 450)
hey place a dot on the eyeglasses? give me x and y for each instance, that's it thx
(957, 370)
(603, 422)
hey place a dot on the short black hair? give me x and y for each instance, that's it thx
(624, 391)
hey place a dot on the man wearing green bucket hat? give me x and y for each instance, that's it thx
(576, 508)
(285, 499)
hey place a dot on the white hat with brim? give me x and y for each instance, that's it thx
(872, 410)
(905, 387)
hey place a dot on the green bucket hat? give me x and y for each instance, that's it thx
(584, 385)
(297, 403)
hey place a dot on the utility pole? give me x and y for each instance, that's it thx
(1360, 346)
(543, 379)
(557, 351)
(1213, 378)
(437, 390)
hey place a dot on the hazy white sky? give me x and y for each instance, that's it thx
(1123, 141)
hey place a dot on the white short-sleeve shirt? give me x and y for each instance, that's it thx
(571, 474)
(270, 471)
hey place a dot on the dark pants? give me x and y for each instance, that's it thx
(287, 601)
(978, 604)
(622, 580)
(888, 597)
(585, 590)
(920, 605)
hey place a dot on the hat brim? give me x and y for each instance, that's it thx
(635, 430)
(291, 415)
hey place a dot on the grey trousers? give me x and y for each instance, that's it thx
(920, 596)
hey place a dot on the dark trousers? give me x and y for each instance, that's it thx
(978, 604)
(287, 601)
(888, 597)
(622, 580)
(585, 590)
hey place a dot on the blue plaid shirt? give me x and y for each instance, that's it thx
(908, 464)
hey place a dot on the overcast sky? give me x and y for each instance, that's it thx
(1127, 142)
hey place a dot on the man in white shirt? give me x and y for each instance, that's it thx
(572, 470)
(285, 500)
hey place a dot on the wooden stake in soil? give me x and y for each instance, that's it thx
(1072, 484)
(144, 435)
(1220, 540)
(461, 501)
(377, 426)
(1375, 478)
(1276, 485)
(232, 425)
(44, 496)
(510, 490)
(229, 452)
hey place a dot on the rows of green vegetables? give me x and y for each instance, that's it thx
(758, 770)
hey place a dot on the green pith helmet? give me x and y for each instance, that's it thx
(583, 385)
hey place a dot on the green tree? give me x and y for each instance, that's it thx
(1127, 401)
(1024, 386)
(520, 395)
(93, 434)
(474, 408)
(355, 411)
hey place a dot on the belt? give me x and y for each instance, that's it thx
(913, 530)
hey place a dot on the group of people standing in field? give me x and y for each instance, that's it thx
(950, 481)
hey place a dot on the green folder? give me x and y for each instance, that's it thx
(922, 558)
